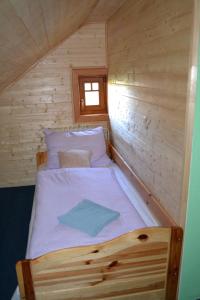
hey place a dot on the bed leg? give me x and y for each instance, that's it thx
(25, 281)
(174, 263)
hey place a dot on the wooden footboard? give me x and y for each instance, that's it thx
(139, 265)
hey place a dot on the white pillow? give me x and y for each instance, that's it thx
(63, 141)
(54, 138)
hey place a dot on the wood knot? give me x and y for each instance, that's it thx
(113, 264)
(104, 277)
(88, 262)
(142, 237)
(95, 251)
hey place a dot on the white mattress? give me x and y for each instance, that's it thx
(54, 185)
(60, 190)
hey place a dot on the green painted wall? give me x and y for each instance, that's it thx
(190, 271)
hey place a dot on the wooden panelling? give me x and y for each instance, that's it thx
(62, 18)
(30, 13)
(148, 56)
(160, 214)
(42, 98)
(30, 28)
(104, 10)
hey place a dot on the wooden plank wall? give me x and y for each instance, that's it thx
(31, 28)
(42, 98)
(148, 56)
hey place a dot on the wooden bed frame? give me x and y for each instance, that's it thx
(140, 265)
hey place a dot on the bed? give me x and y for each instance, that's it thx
(128, 259)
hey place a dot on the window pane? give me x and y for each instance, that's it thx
(95, 86)
(91, 98)
(87, 86)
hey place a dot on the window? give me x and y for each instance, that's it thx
(90, 94)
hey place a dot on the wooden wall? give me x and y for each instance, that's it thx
(148, 56)
(30, 28)
(42, 98)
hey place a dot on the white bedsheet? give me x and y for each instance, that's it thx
(61, 189)
(130, 192)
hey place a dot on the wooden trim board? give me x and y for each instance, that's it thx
(190, 107)
(25, 279)
(153, 204)
(174, 262)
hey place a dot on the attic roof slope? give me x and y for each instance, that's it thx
(29, 29)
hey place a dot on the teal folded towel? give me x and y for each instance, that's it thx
(88, 217)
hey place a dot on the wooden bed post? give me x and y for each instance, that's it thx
(25, 280)
(174, 262)
(41, 158)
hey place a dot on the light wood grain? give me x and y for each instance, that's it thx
(62, 18)
(104, 10)
(29, 29)
(31, 14)
(20, 279)
(123, 267)
(142, 263)
(148, 56)
(152, 203)
(43, 99)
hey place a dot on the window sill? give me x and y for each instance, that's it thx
(91, 118)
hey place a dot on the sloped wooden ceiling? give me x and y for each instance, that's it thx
(30, 28)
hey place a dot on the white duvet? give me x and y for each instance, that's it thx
(57, 191)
